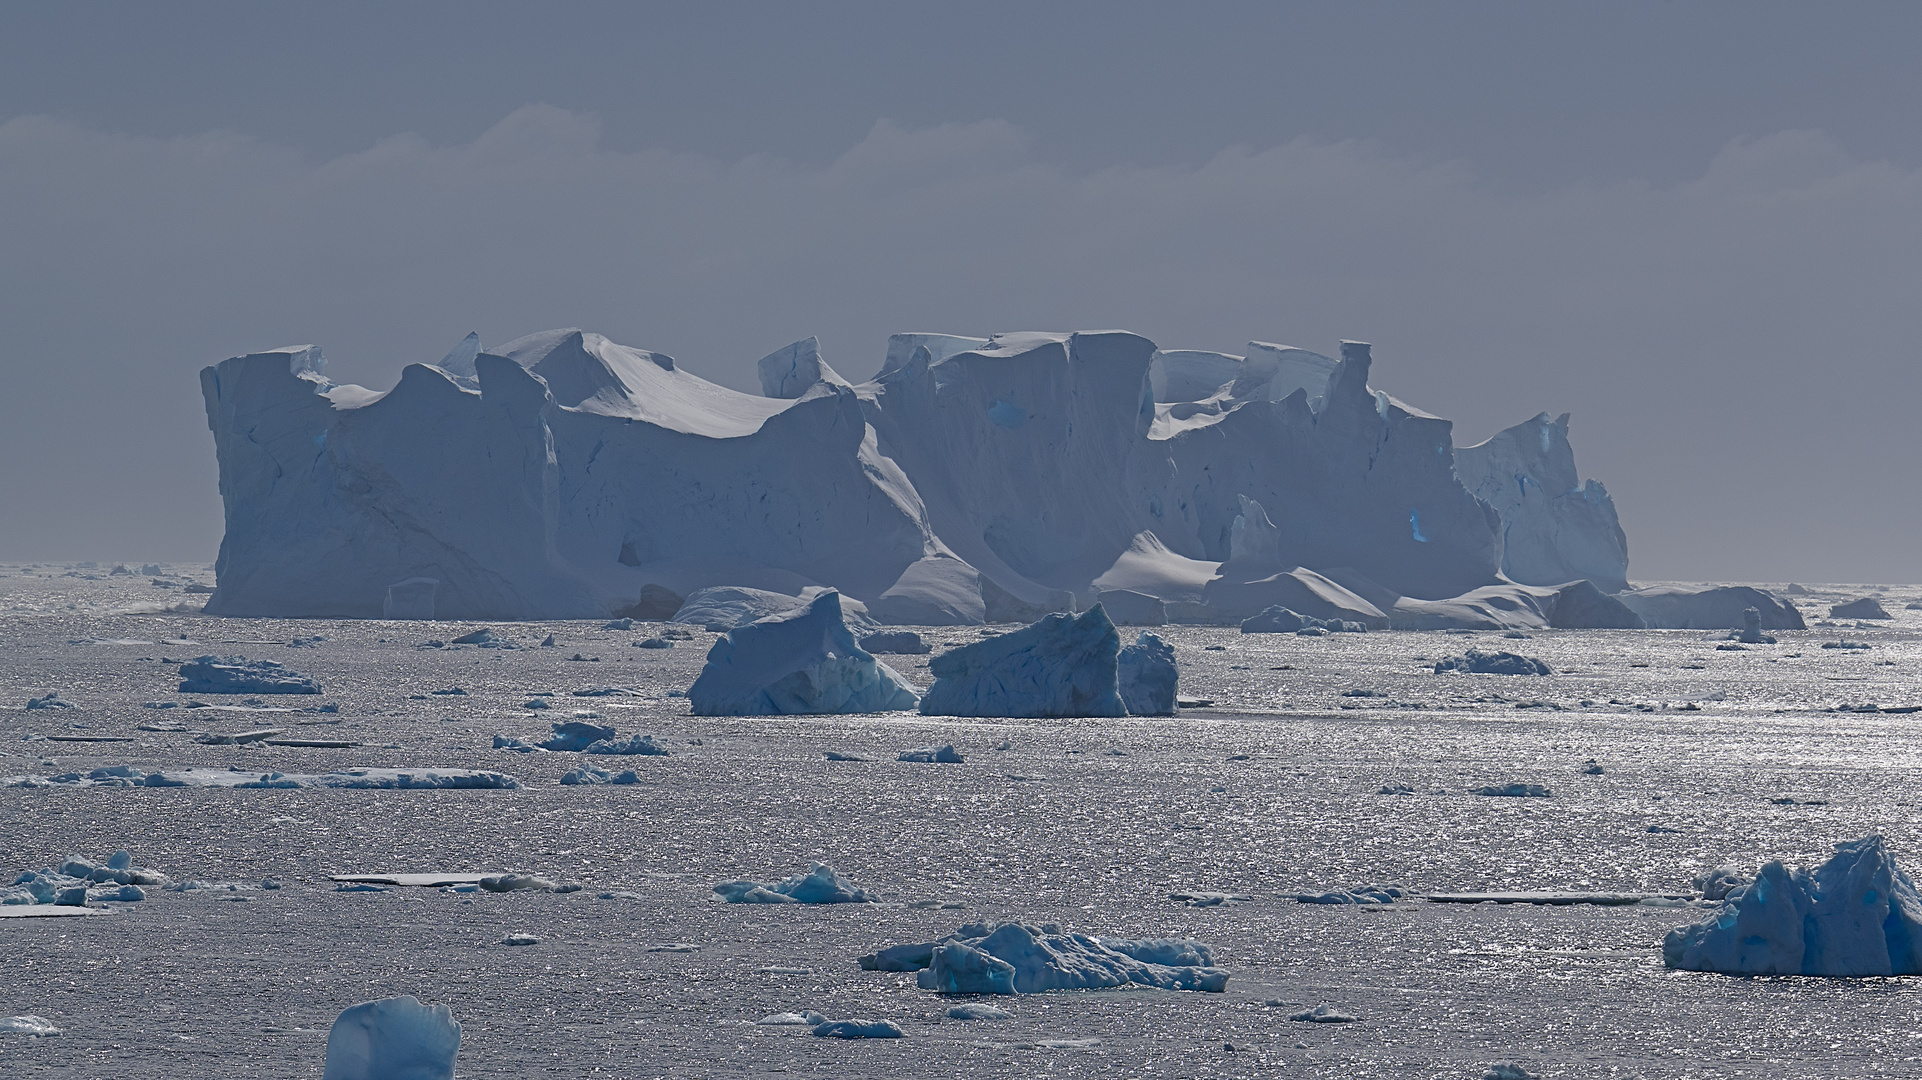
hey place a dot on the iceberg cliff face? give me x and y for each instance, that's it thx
(1556, 527)
(565, 476)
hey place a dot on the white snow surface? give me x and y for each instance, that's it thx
(1856, 915)
(803, 661)
(395, 1038)
(974, 479)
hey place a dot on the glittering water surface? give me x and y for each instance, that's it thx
(1732, 756)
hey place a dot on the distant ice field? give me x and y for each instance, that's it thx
(1735, 756)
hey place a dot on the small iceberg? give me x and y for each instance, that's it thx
(797, 663)
(820, 885)
(1063, 665)
(239, 675)
(1856, 915)
(1478, 662)
(1017, 958)
(394, 1038)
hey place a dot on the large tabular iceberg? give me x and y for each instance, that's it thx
(973, 479)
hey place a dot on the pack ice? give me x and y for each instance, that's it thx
(1857, 914)
(993, 479)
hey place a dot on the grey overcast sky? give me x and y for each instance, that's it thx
(1697, 227)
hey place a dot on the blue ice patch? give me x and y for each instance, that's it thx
(1007, 414)
(1414, 526)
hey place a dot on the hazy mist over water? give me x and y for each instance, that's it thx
(1694, 228)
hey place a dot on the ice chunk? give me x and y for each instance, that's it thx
(1856, 915)
(394, 1038)
(642, 745)
(859, 1029)
(520, 939)
(27, 1025)
(1479, 662)
(789, 1019)
(979, 1010)
(1721, 882)
(239, 675)
(820, 885)
(1517, 790)
(517, 883)
(802, 662)
(1063, 665)
(1865, 608)
(1751, 631)
(576, 735)
(48, 700)
(1323, 1014)
(1016, 958)
(946, 755)
(1145, 676)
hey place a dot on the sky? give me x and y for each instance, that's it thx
(1696, 227)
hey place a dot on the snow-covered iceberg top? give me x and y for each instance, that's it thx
(1856, 915)
(1063, 665)
(801, 662)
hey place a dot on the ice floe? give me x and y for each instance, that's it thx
(27, 1025)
